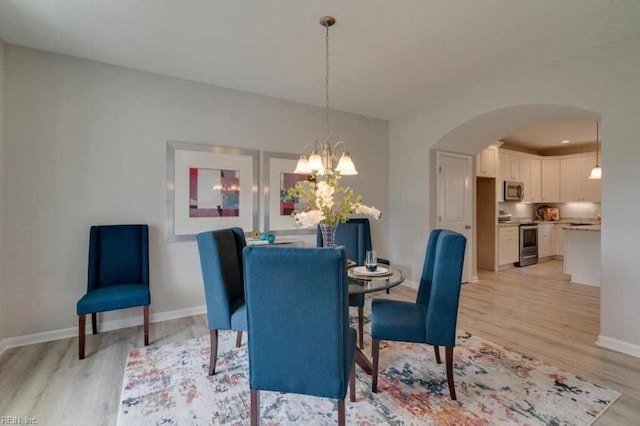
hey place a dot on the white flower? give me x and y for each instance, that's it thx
(324, 195)
(369, 211)
(309, 219)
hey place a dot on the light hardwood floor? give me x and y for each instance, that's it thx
(531, 310)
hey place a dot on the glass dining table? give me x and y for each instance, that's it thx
(362, 282)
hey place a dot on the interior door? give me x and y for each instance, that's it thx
(455, 200)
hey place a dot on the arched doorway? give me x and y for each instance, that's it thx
(472, 136)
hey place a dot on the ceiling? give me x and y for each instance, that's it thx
(551, 135)
(388, 58)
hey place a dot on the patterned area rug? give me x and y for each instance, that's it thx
(169, 385)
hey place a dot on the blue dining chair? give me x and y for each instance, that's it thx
(299, 335)
(223, 278)
(351, 236)
(355, 237)
(118, 275)
(432, 318)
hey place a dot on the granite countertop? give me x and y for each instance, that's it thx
(593, 228)
(588, 223)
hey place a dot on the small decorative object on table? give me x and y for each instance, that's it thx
(271, 238)
(326, 203)
(263, 236)
(255, 234)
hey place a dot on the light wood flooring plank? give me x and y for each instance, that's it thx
(532, 310)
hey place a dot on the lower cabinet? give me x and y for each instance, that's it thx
(546, 246)
(508, 245)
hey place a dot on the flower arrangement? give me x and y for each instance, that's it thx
(326, 202)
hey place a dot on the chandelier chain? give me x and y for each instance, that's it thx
(327, 83)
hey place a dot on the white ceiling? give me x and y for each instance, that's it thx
(550, 135)
(388, 58)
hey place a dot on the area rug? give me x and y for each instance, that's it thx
(169, 385)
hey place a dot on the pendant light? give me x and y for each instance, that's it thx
(323, 155)
(596, 172)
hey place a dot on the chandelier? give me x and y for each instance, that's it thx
(596, 172)
(322, 155)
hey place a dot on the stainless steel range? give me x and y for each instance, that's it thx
(528, 244)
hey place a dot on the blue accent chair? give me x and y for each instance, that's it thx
(118, 275)
(299, 335)
(355, 237)
(222, 274)
(432, 319)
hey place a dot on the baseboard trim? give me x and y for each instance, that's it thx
(618, 345)
(64, 333)
(410, 284)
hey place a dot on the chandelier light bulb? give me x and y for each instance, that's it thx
(345, 165)
(302, 167)
(315, 162)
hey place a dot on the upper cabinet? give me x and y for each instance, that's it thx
(550, 180)
(547, 179)
(575, 184)
(531, 177)
(510, 167)
(486, 162)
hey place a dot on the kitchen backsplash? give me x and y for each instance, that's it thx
(581, 210)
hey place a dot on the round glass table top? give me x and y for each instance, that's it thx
(359, 284)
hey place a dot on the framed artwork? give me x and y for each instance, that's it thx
(277, 177)
(210, 187)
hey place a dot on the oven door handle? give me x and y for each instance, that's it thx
(528, 227)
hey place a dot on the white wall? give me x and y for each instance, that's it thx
(85, 144)
(2, 203)
(603, 80)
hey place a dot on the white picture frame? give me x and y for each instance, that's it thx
(182, 159)
(274, 164)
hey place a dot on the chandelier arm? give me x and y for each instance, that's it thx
(335, 149)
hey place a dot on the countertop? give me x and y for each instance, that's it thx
(593, 228)
(590, 224)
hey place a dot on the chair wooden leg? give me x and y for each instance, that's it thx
(94, 323)
(239, 339)
(352, 382)
(213, 334)
(341, 413)
(375, 354)
(81, 326)
(436, 348)
(145, 311)
(449, 361)
(388, 291)
(255, 408)
(361, 326)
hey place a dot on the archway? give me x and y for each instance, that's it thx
(475, 134)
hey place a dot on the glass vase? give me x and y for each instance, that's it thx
(328, 235)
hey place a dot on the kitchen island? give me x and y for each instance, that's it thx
(582, 254)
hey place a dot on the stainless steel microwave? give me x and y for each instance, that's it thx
(513, 191)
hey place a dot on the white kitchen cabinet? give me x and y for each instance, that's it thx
(486, 162)
(546, 241)
(550, 180)
(510, 167)
(531, 174)
(575, 184)
(508, 245)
